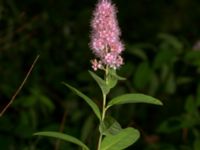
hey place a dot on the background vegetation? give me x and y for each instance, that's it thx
(162, 58)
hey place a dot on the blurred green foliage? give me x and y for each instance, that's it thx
(159, 60)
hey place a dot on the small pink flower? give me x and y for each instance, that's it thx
(114, 61)
(116, 47)
(105, 37)
(96, 64)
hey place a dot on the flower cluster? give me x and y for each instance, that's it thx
(105, 36)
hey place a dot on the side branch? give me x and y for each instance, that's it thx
(20, 87)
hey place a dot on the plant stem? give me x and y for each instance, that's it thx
(99, 142)
(103, 111)
(102, 119)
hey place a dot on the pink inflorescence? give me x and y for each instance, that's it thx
(105, 37)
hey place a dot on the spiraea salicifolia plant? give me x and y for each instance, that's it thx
(107, 48)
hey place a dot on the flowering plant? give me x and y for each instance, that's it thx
(107, 47)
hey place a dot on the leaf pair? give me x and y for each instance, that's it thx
(111, 80)
(117, 138)
(109, 126)
(123, 99)
(123, 139)
(120, 141)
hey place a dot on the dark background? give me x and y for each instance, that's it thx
(160, 60)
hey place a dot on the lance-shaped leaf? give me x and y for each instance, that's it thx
(113, 73)
(112, 78)
(64, 137)
(112, 81)
(120, 141)
(102, 84)
(93, 105)
(133, 98)
(109, 126)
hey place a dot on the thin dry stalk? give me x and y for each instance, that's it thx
(20, 87)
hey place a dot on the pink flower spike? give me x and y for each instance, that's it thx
(105, 36)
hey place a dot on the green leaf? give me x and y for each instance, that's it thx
(122, 140)
(142, 75)
(138, 52)
(171, 125)
(64, 137)
(197, 144)
(170, 42)
(110, 126)
(176, 123)
(112, 81)
(193, 57)
(170, 85)
(88, 124)
(112, 78)
(94, 106)
(45, 101)
(102, 84)
(134, 98)
(164, 57)
(114, 74)
(190, 106)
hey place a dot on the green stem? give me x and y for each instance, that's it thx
(103, 111)
(99, 142)
(102, 119)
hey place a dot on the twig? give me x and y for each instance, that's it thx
(62, 125)
(20, 87)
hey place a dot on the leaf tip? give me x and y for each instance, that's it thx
(160, 103)
(35, 134)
